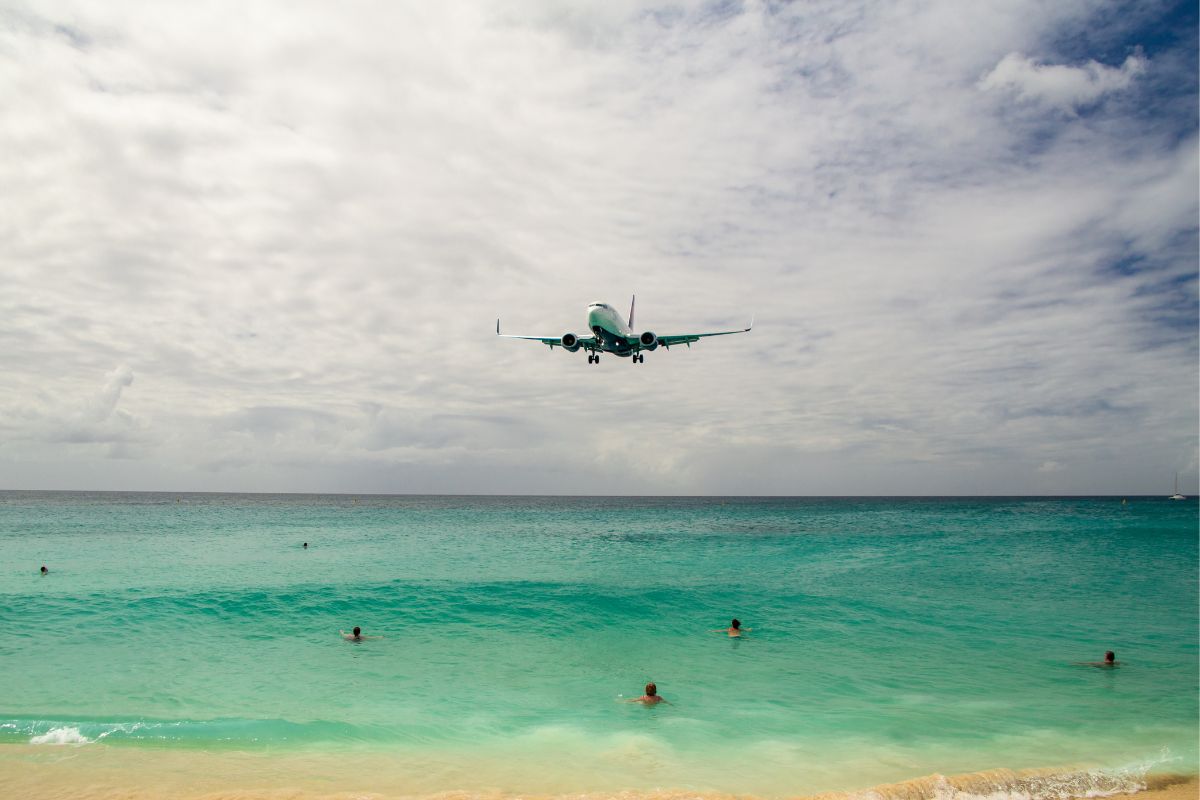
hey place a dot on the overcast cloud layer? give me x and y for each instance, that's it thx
(262, 246)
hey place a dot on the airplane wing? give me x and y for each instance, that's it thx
(671, 340)
(586, 342)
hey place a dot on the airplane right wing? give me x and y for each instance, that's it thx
(586, 342)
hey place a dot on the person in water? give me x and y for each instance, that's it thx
(44, 570)
(651, 697)
(735, 628)
(306, 545)
(357, 635)
(1110, 660)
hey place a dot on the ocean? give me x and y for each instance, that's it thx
(891, 638)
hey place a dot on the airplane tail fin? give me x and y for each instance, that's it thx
(631, 304)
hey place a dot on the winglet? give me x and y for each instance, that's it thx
(631, 304)
(497, 326)
(748, 329)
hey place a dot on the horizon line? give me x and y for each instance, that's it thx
(1068, 495)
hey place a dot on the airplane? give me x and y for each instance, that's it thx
(611, 334)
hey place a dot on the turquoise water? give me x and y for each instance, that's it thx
(891, 638)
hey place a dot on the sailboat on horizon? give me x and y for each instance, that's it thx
(1177, 495)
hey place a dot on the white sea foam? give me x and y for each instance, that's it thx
(64, 735)
(1003, 784)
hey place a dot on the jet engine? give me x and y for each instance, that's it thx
(648, 341)
(570, 342)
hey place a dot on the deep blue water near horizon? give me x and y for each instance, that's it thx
(892, 637)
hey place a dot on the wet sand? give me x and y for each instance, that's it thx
(1168, 787)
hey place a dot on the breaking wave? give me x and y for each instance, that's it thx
(65, 735)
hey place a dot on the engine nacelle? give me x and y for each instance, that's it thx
(570, 342)
(648, 341)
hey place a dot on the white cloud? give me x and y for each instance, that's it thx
(105, 403)
(81, 423)
(297, 225)
(1068, 88)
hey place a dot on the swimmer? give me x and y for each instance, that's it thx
(44, 570)
(1110, 660)
(735, 628)
(306, 545)
(357, 635)
(650, 698)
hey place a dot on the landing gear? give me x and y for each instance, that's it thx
(638, 358)
(594, 359)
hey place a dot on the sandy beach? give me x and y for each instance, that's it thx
(118, 773)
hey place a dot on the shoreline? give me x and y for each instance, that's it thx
(56, 772)
(1168, 787)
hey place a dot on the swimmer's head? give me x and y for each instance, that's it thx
(357, 630)
(651, 690)
(737, 623)
(44, 570)
(1110, 657)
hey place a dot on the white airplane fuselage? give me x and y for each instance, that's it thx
(610, 329)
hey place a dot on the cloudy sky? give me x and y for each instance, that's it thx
(263, 246)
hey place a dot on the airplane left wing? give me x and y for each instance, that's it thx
(586, 342)
(670, 341)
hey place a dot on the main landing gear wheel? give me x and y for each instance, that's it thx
(638, 358)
